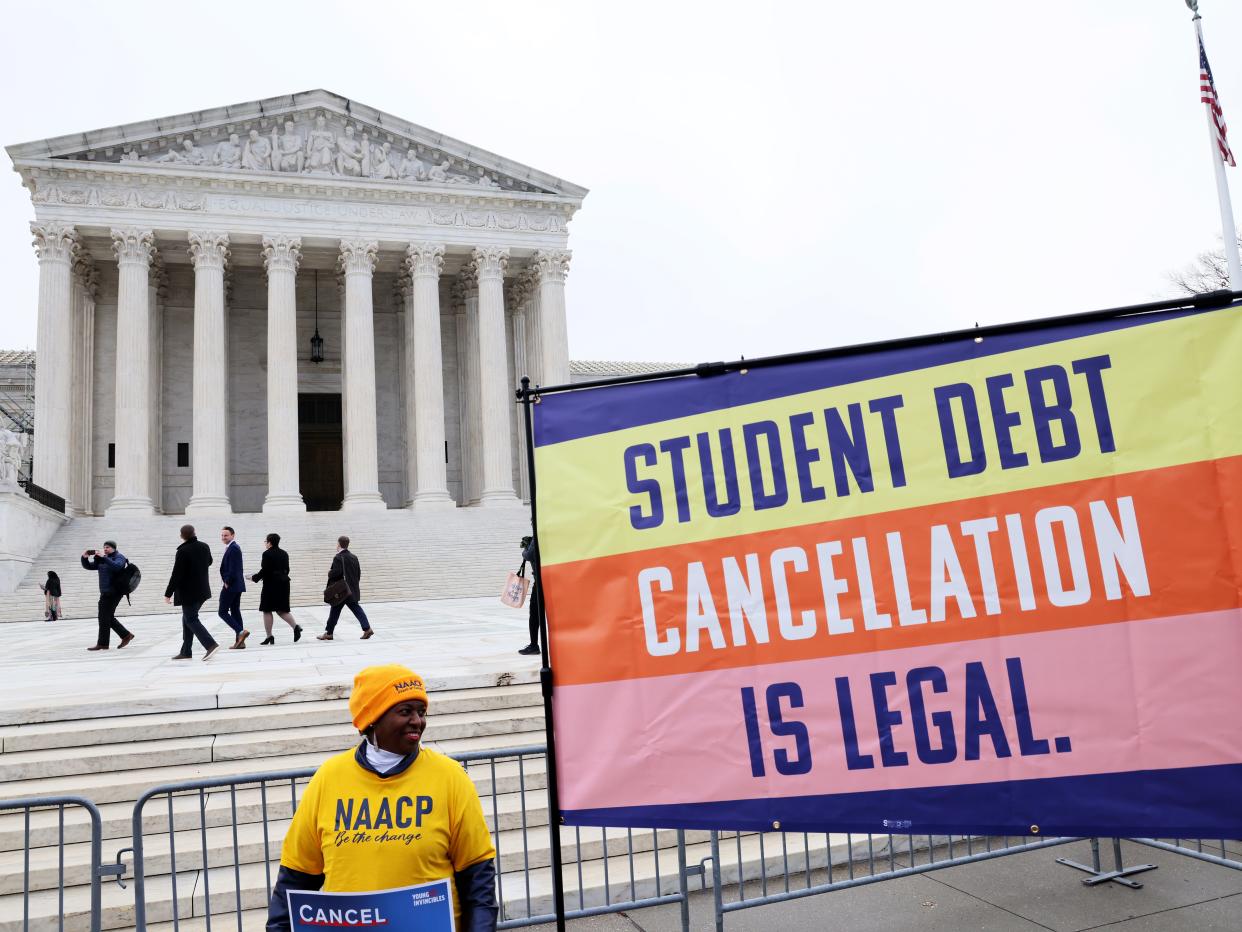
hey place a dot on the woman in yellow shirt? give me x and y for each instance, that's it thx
(389, 813)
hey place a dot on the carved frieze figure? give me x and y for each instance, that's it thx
(411, 168)
(287, 155)
(320, 146)
(257, 153)
(188, 154)
(131, 155)
(381, 167)
(12, 452)
(350, 154)
(486, 182)
(228, 154)
(439, 172)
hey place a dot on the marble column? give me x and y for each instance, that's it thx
(157, 291)
(131, 494)
(534, 345)
(280, 257)
(552, 266)
(495, 398)
(81, 485)
(458, 299)
(425, 364)
(57, 247)
(472, 433)
(209, 438)
(517, 303)
(361, 443)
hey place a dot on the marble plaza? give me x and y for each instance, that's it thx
(292, 303)
(453, 642)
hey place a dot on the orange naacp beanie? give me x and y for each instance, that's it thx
(378, 689)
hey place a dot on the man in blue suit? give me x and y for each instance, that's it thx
(234, 579)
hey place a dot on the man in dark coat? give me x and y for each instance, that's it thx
(345, 566)
(105, 564)
(233, 584)
(189, 587)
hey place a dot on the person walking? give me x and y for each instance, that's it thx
(234, 584)
(274, 599)
(51, 596)
(528, 554)
(345, 567)
(106, 564)
(189, 587)
(331, 847)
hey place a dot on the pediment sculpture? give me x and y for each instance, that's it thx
(313, 147)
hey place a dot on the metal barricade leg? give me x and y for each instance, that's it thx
(1119, 874)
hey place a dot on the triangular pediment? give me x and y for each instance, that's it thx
(314, 134)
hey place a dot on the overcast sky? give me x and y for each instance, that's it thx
(764, 177)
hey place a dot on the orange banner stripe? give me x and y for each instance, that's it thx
(1185, 555)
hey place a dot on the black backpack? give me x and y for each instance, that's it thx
(126, 579)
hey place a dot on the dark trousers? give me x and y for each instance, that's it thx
(192, 628)
(230, 609)
(534, 613)
(108, 601)
(353, 606)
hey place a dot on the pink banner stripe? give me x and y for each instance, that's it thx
(1145, 695)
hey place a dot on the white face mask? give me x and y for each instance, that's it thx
(380, 760)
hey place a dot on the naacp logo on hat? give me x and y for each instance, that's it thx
(406, 685)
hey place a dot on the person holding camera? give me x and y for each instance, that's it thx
(107, 565)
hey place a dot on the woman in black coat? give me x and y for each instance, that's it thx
(274, 574)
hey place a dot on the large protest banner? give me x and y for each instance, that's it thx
(969, 586)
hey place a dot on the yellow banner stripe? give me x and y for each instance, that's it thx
(1172, 396)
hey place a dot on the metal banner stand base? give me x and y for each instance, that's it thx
(1118, 874)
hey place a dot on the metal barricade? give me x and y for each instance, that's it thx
(773, 867)
(31, 807)
(1224, 852)
(211, 848)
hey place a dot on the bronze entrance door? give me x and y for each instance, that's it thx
(320, 451)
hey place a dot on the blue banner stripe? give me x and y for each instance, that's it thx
(1159, 803)
(570, 415)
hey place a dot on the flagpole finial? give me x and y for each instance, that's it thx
(1194, 6)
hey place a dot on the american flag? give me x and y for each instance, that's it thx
(1207, 93)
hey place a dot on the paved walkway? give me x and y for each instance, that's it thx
(45, 665)
(45, 670)
(1027, 892)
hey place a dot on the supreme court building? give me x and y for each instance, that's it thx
(293, 303)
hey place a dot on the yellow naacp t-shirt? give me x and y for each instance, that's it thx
(365, 832)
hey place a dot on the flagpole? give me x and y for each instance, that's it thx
(1229, 232)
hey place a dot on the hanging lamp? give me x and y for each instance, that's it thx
(316, 341)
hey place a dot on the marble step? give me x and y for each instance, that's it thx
(243, 746)
(233, 721)
(208, 695)
(218, 805)
(216, 833)
(127, 786)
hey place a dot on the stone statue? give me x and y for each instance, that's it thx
(350, 154)
(487, 182)
(381, 167)
(12, 452)
(411, 168)
(131, 155)
(188, 154)
(287, 155)
(439, 172)
(257, 153)
(228, 154)
(320, 144)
